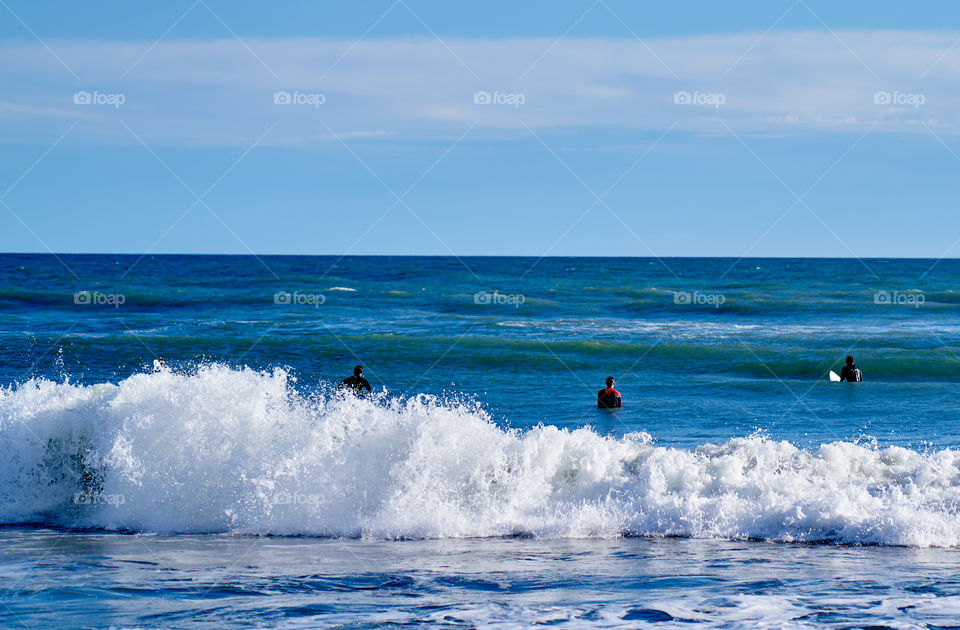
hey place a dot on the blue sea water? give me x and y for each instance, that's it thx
(478, 485)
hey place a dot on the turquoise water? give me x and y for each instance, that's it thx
(479, 485)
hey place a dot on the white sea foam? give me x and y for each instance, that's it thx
(242, 451)
(831, 609)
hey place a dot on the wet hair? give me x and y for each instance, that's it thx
(609, 381)
(849, 360)
(357, 371)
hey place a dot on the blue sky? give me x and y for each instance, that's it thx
(615, 128)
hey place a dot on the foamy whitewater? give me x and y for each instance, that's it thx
(245, 451)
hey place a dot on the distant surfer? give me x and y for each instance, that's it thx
(850, 372)
(609, 398)
(159, 365)
(355, 383)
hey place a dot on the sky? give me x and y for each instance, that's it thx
(602, 127)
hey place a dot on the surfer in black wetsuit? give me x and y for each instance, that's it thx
(850, 372)
(609, 398)
(355, 383)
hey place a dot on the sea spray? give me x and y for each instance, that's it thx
(238, 450)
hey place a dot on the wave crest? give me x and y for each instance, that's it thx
(229, 450)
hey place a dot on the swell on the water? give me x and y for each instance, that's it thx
(229, 450)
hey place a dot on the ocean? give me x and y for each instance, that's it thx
(478, 485)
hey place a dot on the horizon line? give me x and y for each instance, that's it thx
(457, 256)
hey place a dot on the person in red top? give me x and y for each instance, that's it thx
(609, 398)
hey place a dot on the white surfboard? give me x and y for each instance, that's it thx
(834, 377)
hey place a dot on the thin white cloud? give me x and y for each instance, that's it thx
(329, 137)
(215, 92)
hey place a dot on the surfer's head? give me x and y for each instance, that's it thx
(358, 371)
(849, 360)
(610, 381)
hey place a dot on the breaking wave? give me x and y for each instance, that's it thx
(241, 451)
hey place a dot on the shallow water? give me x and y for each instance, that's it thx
(109, 580)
